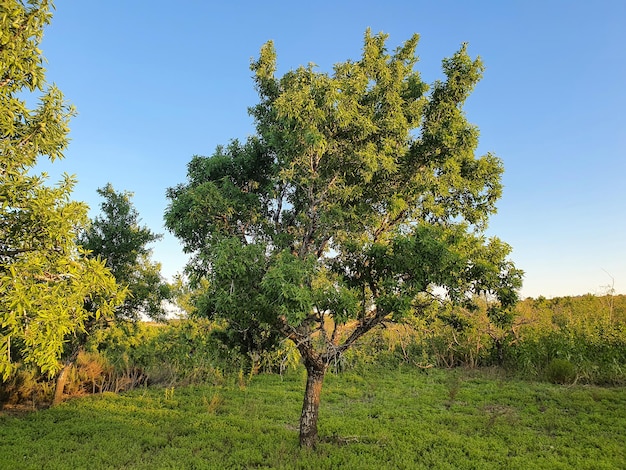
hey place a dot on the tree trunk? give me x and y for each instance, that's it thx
(62, 377)
(60, 383)
(311, 405)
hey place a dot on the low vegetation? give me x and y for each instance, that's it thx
(370, 418)
(402, 398)
(575, 340)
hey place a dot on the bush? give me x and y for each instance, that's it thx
(560, 371)
(26, 387)
(596, 350)
(176, 353)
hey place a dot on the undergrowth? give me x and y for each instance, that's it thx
(567, 340)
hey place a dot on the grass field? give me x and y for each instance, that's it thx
(401, 418)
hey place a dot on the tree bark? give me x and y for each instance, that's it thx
(62, 377)
(60, 384)
(311, 405)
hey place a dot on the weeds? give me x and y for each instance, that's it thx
(214, 404)
(241, 380)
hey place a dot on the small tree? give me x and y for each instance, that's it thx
(45, 278)
(118, 240)
(116, 237)
(359, 201)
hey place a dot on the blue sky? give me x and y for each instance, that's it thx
(157, 82)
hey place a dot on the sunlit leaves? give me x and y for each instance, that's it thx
(45, 279)
(367, 199)
(42, 305)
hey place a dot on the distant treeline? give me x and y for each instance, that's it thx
(590, 310)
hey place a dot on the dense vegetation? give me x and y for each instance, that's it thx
(563, 340)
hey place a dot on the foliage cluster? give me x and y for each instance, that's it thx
(183, 352)
(587, 331)
(177, 353)
(45, 277)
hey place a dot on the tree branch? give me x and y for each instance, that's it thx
(364, 326)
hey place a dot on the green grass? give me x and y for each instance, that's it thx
(375, 419)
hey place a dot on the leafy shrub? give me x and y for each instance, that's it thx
(582, 331)
(176, 353)
(560, 371)
(445, 338)
(587, 331)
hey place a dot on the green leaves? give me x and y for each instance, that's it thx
(359, 198)
(228, 195)
(45, 278)
(42, 304)
(21, 30)
(287, 286)
(116, 237)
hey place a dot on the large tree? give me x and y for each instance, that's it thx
(359, 201)
(116, 236)
(45, 277)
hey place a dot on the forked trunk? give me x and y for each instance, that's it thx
(311, 405)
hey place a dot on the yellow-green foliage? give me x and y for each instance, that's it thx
(445, 337)
(587, 331)
(562, 340)
(45, 277)
(565, 340)
(584, 314)
(181, 351)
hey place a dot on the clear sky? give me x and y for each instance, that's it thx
(156, 82)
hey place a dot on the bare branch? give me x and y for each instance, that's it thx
(364, 326)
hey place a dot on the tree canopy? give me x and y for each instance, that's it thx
(116, 237)
(359, 201)
(45, 277)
